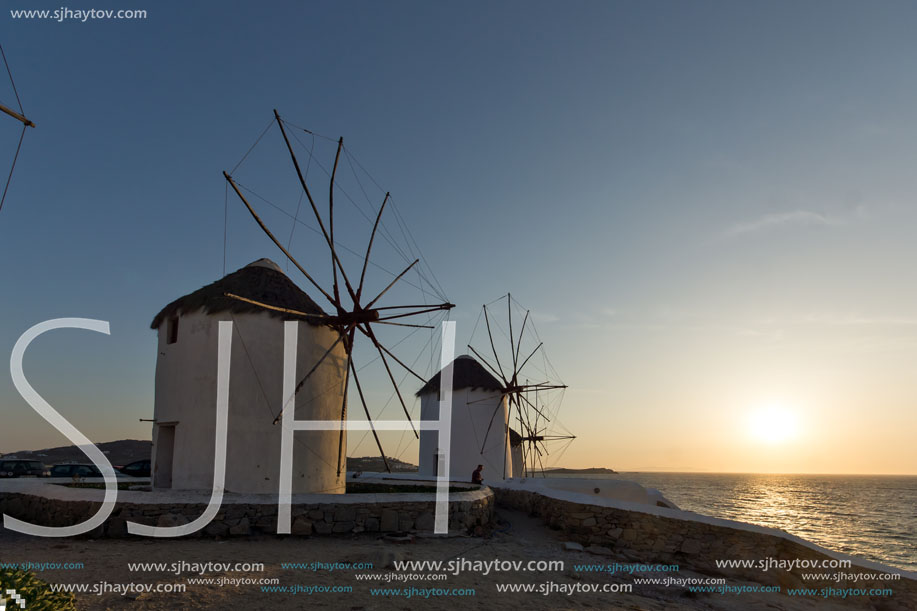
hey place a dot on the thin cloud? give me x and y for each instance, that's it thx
(544, 317)
(781, 219)
(857, 320)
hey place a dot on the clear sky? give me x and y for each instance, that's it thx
(709, 205)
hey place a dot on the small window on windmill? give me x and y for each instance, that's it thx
(172, 330)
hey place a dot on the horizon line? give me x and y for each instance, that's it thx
(759, 472)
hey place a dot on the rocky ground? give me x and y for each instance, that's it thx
(518, 537)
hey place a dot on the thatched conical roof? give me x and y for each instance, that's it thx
(262, 281)
(467, 372)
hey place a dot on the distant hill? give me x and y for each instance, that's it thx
(126, 451)
(374, 464)
(120, 453)
(589, 471)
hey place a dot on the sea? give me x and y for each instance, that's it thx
(870, 516)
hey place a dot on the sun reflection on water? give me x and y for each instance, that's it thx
(868, 516)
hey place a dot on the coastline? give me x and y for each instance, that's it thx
(580, 499)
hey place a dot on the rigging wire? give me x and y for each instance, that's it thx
(435, 285)
(309, 131)
(225, 223)
(252, 147)
(398, 215)
(25, 125)
(9, 178)
(386, 234)
(299, 204)
(267, 403)
(423, 349)
(12, 82)
(311, 228)
(350, 161)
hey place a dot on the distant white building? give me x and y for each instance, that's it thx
(186, 370)
(477, 400)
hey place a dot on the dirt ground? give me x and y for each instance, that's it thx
(520, 537)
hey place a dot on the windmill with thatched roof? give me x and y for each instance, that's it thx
(477, 399)
(528, 384)
(185, 401)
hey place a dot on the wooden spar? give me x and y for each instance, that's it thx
(532, 405)
(483, 360)
(481, 400)
(521, 333)
(334, 171)
(369, 248)
(512, 349)
(345, 320)
(368, 417)
(264, 228)
(25, 121)
(487, 432)
(525, 422)
(392, 283)
(318, 217)
(534, 446)
(537, 387)
(407, 414)
(493, 346)
(442, 306)
(395, 358)
(531, 355)
(445, 306)
(528, 418)
(275, 308)
(402, 324)
(306, 377)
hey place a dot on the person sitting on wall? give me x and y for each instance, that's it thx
(476, 477)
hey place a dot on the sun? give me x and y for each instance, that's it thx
(773, 423)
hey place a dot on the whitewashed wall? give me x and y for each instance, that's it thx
(471, 413)
(186, 395)
(518, 464)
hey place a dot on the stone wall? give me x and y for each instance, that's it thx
(653, 539)
(467, 510)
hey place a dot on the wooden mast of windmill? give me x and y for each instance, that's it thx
(362, 314)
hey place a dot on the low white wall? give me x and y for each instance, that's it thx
(596, 489)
